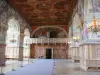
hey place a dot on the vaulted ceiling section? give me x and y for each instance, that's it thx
(44, 12)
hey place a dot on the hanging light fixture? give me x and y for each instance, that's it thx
(95, 29)
(94, 22)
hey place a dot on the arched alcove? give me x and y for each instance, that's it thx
(12, 39)
(50, 32)
(58, 49)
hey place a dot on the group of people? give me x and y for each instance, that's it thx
(41, 57)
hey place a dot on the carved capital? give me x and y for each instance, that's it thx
(22, 35)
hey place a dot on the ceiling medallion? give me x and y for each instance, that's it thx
(35, 20)
(58, 19)
(45, 14)
(33, 15)
(43, 6)
(61, 14)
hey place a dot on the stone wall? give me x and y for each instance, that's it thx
(7, 13)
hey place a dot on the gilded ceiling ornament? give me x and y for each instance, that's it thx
(28, 9)
(60, 5)
(45, 10)
(45, 14)
(33, 15)
(61, 14)
(59, 19)
(43, 6)
(36, 20)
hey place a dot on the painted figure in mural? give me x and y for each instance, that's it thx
(96, 5)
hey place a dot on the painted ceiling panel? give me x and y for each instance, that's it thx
(44, 12)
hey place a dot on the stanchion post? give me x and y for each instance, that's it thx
(13, 54)
(1, 70)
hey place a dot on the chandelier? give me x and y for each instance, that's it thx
(95, 23)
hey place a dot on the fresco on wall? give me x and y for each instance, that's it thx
(80, 9)
(91, 34)
(80, 19)
(76, 28)
(94, 6)
(50, 32)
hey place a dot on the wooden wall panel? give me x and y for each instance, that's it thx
(60, 51)
(40, 51)
(32, 51)
(60, 54)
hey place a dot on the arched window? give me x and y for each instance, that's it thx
(12, 39)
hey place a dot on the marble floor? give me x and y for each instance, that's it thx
(40, 67)
(66, 67)
(49, 67)
(15, 64)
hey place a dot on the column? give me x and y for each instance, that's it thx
(21, 47)
(2, 49)
(85, 31)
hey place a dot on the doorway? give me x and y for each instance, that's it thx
(48, 53)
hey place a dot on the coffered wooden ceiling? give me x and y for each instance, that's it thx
(44, 12)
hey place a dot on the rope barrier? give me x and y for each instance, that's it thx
(53, 67)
